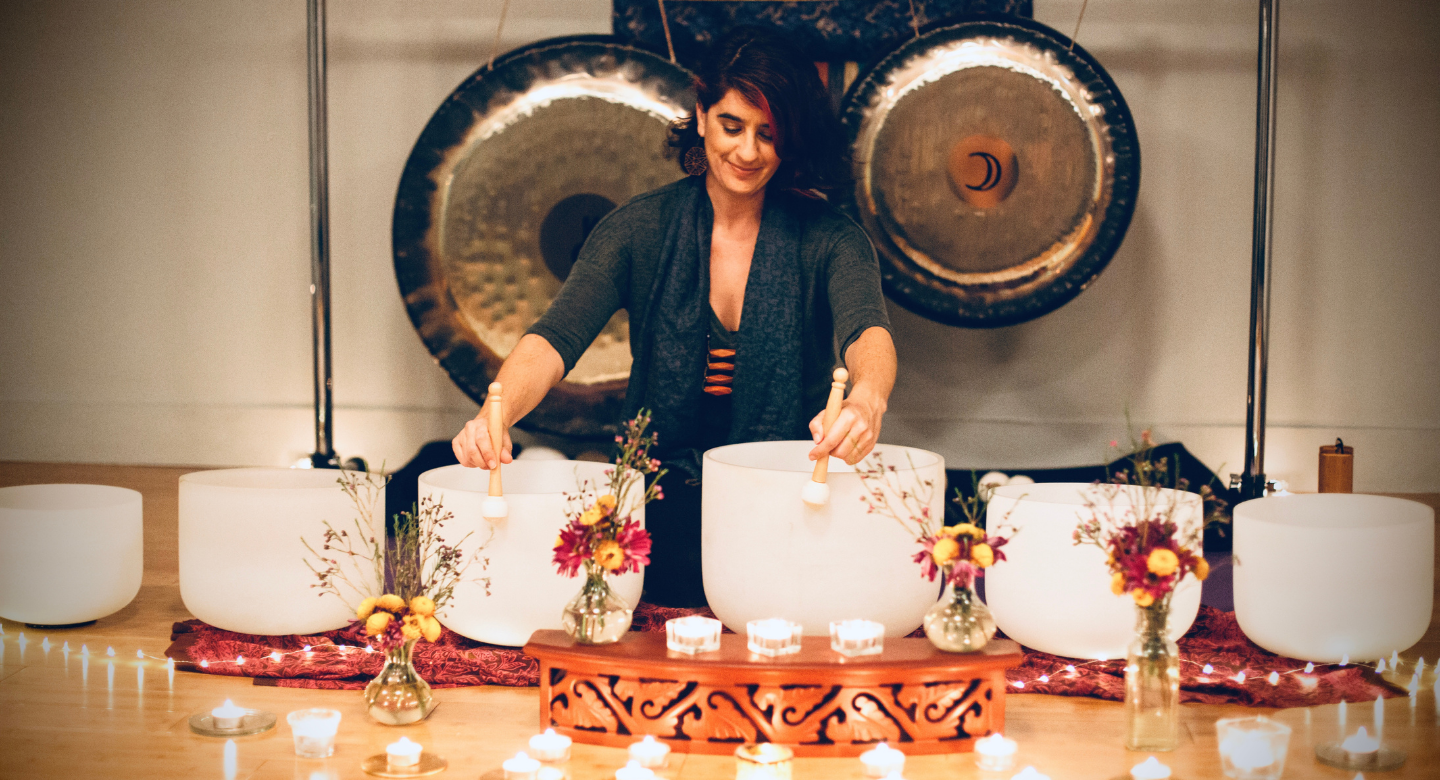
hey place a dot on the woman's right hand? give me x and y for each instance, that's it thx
(472, 445)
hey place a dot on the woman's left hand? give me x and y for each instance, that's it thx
(855, 431)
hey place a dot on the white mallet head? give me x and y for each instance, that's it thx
(495, 508)
(815, 493)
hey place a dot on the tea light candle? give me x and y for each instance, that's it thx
(1029, 773)
(314, 732)
(763, 761)
(1360, 746)
(692, 634)
(227, 716)
(775, 636)
(550, 746)
(1149, 769)
(521, 767)
(649, 753)
(633, 771)
(882, 760)
(857, 637)
(995, 753)
(402, 754)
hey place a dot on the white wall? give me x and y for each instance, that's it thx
(154, 229)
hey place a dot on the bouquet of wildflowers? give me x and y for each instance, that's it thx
(959, 552)
(600, 531)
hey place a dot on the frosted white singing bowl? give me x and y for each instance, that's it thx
(767, 554)
(69, 553)
(1053, 595)
(526, 594)
(1322, 576)
(242, 561)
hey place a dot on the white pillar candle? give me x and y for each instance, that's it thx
(404, 753)
(633, 771)
(995, 753)
(649, 752)
(550, 746)
(1149, 769)
(521, 767)
(227, 716)
(1359, 745)
(882, 760)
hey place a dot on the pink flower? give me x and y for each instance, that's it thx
(572, 548)
(635, 542)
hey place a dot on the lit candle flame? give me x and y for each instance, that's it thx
(1380, 667)
(1345, 660)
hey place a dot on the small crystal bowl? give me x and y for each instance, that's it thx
(772, 637)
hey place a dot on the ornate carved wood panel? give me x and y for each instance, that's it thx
(817, 702)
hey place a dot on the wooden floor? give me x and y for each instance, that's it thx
(68, 717)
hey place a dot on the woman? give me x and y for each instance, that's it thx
(739, 281)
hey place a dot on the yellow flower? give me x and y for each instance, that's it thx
(945, 551)
(390, 603)
(968, 529)
(1117, 584)
(591, 516)
(1142, 597)
(609, 554)
(430, 628)
(422, 605)
(1202, 568)
(376, 624)
(981, 555)
(410, 627)
(367, 607)
(1162, 562)
(606, 503)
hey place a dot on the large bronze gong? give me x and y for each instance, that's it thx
(995, 169)
(501, 190)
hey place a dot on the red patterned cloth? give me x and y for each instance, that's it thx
(338, 659)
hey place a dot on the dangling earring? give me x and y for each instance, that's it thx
(695, 162)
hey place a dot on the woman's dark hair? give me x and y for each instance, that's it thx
(766, 70)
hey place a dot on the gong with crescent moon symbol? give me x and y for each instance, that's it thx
(996, 167)
(501, 190)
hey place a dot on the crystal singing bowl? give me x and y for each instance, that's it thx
(1322, 576)
(242, 560)
(767, 554)
(68, 553)
(525, 592)
(1053, 595)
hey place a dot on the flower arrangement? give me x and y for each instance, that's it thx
(599, 532)
(960, 552)
(416, 570)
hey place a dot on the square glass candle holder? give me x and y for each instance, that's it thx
(857, 637)
(692, 634)
(314, 732)
(774, 636)
(1252, 748)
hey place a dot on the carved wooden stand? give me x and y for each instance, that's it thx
(918, 698)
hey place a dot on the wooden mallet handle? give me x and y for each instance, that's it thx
(497, 436)
(832, 410)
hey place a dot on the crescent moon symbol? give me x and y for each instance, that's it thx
(993, 172)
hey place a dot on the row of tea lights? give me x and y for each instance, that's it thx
(773, 636)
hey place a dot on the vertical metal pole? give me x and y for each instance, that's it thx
(324, 455)
(1252, 483)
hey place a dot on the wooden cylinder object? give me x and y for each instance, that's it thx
(832, 410)
(1337, 468)
(497, 436)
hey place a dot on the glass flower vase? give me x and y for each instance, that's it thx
(959, 623)
(597, 615)
(1152, 683)
(398, 695)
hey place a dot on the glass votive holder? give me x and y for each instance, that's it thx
(882, 760)
(1252, 748)
(550, 747)
(692, 634)
(774, 636)
(857, 637)
(314, 732)
(763, 761)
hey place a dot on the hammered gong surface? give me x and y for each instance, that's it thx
(995, 168)
(504, 184)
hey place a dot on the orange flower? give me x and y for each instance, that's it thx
(1162, 562)
(410, 627)
(423, 606)
(591, 516)
(390, 603)
(945, 551)
(981, 555)
(1117, 584)
(376, 624)
(430, 628)
(367, 608)
(1202, 568)
(606, 503)
(609, 555)
(1142, 597)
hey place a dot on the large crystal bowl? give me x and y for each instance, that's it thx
(68, 553)
(768, 554)
(1054, 595)
(1327, 575)
(518, 591)
(242, 562)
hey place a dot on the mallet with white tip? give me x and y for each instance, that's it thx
(495, 507)
(816, 492)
